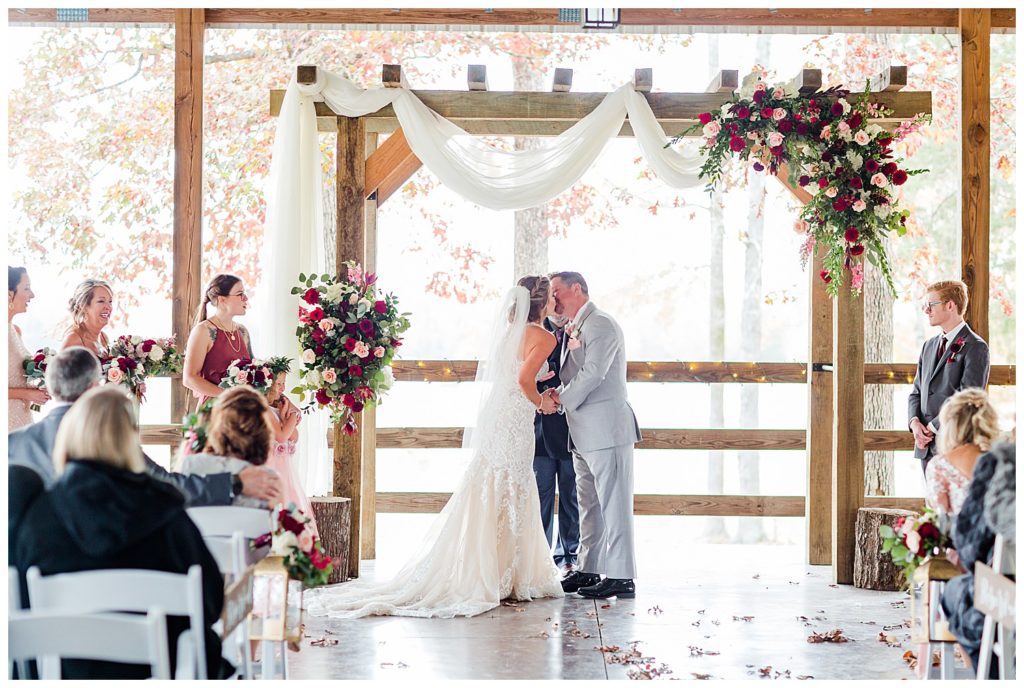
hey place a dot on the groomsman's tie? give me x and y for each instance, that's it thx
(942, 348)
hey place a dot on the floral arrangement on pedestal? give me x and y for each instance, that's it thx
(132, 359)
(826, 143)
(349, 335)
(914, 539)
(193, 427)
(293, 539)
(35, 370)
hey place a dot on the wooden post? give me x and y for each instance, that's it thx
(562, 83)
(975, 37)
(476, 77)
(725, 82)
(848, 429)
(351, 165)
(643, 80)
(808, 81)
(818, 506)
(186, 242)
(368, 431)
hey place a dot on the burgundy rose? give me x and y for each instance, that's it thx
(318, 335)
(856, 183)
(884, 141)
(355, 371)
(322, 397)
(316, 315)
(827, 157)
(766, 113)
(319, 350)
(743, 113)
(785, 126)
(837, 109)
(899, 177)
(759, 167)
(311, 296)
(351, 328)
(852, 234)
(856, 249)
(822, 183)
(889, 168)
(871, 165)
(381, 307)
(350, 344)
(258, 377)
(840, 204)
(736, 144)
(777, 151)
(148, 345)
(357, 407)
(801, 128)
(732, 127)
(39, 358)
(348, 400)
(128, 363)
(759, 96)
(290, 524)
(804, 180)
(855, 120)
(395, 343)
(930, 531)
(704, 117)
(825, 276)
(366, 327)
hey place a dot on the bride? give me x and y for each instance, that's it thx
(487, 544)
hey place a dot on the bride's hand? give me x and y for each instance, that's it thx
(547, 376)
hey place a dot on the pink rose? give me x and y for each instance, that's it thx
(361, 350)
(913, 541)
(859, 206)
(778, 114)
(831, 192)
(778, 94)
(326, 325)
(378, 352)
(760, 86)
(242, 377)
(330, 376)
(115, 375)
(878, 179)
(712, 129)
(775, 139)
(826, 133)
(843, 127)
(306, 540)
(862, 138)
(801, 227)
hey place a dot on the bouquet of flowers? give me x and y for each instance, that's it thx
(914, 539)
(255, 372)
(35, 370)
(193, 427)
(349, 336)
(132, 359)
(294, 540)
(828, 144)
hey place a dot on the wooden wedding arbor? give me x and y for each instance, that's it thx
(835, 442)
(368, 174)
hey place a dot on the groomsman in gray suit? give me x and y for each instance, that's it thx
(602, 432)
(953, 360)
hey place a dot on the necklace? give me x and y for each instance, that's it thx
(235, 346)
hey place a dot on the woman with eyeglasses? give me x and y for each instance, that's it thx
(216, 340)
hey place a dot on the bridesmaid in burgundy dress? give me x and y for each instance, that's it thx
(216, 340)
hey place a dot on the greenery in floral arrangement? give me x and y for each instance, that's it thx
(193, 426)
(349, 335)
(914, 539)
(825, 142)
(303, 553)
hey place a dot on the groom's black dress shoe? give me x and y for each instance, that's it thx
(578, 579)
(610, 587)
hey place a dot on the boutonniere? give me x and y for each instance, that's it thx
(956, 347)
(574, 337)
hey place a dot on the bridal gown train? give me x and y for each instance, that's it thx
(486, 545)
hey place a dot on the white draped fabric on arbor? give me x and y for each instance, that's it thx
(492, 178)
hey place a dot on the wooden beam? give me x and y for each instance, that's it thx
(808, 81)
(305, 74)
(562, 81)
(368, 432)
(847, 428)
(476, 77)
(801, 194)
(548, 114)
(186, 241)
(903, 374)
(839, 20)
(725, 82)
(391, 76)
(892, 79)
(643, 80)
(818, 526)
(350, 243)
(390, 166)
(975, 104)
(908, 503)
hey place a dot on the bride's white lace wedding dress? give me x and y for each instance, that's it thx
(486, 545)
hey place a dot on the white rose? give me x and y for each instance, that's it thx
(846, 106)
(283, 544)
(859, 206)
(878, 179)
(389, 376)
(308, 356)
(333, 293)
(775, 139)
(156, 353)
(846, 135)
(136, 340)
(353, 299)
(831, 192)
(313, 377)
(882, 211)
(856, 161)
(364, 302)
(862, 138)
(725, 111)
(873, 130)
(913, 541)
(712, 129)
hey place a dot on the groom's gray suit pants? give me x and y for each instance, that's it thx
(604, 491)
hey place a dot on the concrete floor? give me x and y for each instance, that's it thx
(708, 611)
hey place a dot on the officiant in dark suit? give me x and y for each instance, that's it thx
(552, 466)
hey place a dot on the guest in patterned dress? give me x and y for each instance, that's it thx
(285, 424)
(216, 340)
(20, 396)
(968, 425)
(91, 307)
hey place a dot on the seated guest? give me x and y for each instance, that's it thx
(237, 438)
(974, 541)
(1001, 497)
(104, 512)
(969, 424)
(71, 373)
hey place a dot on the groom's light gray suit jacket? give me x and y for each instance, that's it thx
(939, 379)
(593, 391)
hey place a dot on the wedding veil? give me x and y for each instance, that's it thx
(498, 370)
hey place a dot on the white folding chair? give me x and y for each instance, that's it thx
(52, 636)
(998, 634)
(126, 590)
(229, 553)
(14, 604)
(225, 521)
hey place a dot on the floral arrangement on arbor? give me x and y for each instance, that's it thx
(131, 359)
(35, 370)
(913, 540)
(827, 142)
(349, 336)
(293, 539)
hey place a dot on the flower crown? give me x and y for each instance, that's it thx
(279, 364)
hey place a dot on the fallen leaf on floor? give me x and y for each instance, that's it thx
(701, 611)
(716, 622)
(889, 639)
(832, 585)
(543, 634)
(324, 642)
(899, 604)
(608, 648)
(656, 610)
(696, 623)
(765, 670)
(757, 576)
(647, 673)
(700, 677)
(805, 620)
(606, 606)
(910, 658)
(869, 623)
(591, 615)
(743, 618)
(833, 636)
(794, 582)
(803, 677)
(397, 665)
(697, 652)
(893, 627)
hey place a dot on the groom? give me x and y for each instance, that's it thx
(602, 432)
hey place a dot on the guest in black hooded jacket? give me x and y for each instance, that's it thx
(105, 512)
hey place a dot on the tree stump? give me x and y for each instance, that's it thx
(874, 569)
(333, 522)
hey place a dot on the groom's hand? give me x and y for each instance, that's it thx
(548, 403)
(554, 395)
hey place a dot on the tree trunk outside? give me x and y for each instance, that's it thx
(750, 327)
(330, 222)
(530, 255)
(879, 478)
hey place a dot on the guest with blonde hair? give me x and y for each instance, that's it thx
(106, 512)
(91, 306)
(968, 426)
